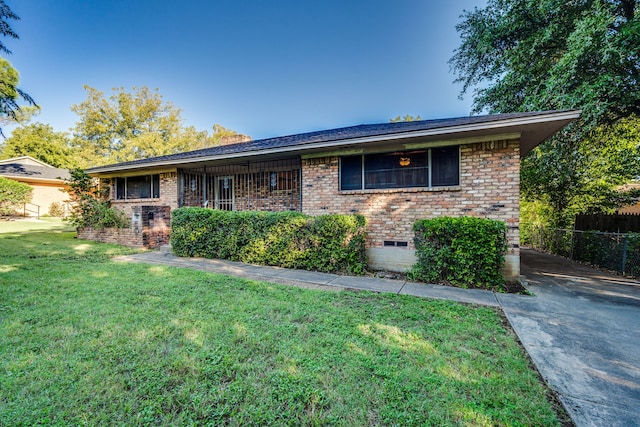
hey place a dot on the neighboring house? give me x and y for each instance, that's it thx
(392, 173)
(48, 183)
(635, 207)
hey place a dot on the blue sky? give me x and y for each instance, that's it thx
(263, 68)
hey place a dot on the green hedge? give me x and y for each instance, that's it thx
(331, 243)
(466, 252)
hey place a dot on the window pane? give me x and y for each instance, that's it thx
(156, 186)
(120, 185)
(396, 170)
(139, 187)
(351, 173)
(445, 162)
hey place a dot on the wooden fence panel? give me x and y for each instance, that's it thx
(612, 223)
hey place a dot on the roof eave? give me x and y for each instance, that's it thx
(27, 178)
(531, 137)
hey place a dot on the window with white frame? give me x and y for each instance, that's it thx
(434, 167)
(138, 187)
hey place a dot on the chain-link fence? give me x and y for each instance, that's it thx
(613, 251)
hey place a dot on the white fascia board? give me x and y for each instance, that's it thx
(27, 179)
(472, 127)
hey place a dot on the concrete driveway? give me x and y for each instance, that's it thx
(582, 330)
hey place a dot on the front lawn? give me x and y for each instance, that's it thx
(87, 341)
(19, 224)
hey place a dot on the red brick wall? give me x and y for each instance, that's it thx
(489, 188)
(151, 229)
(120, 236)
(150, 218)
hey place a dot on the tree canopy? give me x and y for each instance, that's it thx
(131, 126)
(5, 29)
(10, 94)
(586, 177)
(525, 55)
(405, 118)
(41, 142)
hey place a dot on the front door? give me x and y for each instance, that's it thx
(224, 193)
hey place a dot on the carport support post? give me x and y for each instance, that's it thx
(625, 246)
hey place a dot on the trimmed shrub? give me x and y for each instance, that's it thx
(56, 209)
(330, 243)
(466, 252)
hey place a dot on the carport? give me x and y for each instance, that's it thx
(582, 331)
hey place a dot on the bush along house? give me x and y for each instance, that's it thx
(392, 173)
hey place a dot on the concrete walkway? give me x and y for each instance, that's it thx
(316, 280)
(581, 329)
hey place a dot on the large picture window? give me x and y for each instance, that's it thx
(138, 187)
(436, 167)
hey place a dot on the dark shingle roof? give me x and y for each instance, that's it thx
(310, 139)
(18, 170)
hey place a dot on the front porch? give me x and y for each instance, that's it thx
(257, 186)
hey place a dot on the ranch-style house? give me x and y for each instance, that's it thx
(392, 173)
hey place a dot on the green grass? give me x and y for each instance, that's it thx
(88, 341)
(17, 225)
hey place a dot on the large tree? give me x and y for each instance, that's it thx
(130, 126)
(41, 142)
(405, 118)
(587, 177)
(10, 94)
(525, 55)
(223, 136)
(549, 54)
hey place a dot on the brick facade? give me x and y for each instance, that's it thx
(119, 236)
(150, 219)
(489, 188)
(254, 192)
(150, 228)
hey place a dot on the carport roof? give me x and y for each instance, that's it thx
(532, 128)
